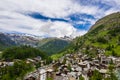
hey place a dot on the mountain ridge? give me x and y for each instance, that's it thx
(113, 16)
(49, 45)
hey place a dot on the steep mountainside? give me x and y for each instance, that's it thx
(23, 39)
(5, 41)
(112, 20)
(15, 39)
(53, 45)
(103, 37)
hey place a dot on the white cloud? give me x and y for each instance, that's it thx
(115, 6)
(78, 33)
(13, 21)
(51, 8)
(60, 29)
(12, 16)
(114, 3)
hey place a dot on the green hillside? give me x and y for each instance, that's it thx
(103, 37)
(53, 45)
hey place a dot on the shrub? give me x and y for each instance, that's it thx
(102, 40)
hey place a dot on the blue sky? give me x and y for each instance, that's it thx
(53, 18)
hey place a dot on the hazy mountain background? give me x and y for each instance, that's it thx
(47, 45)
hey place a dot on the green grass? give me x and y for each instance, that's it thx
(57, 56)
(117, 50)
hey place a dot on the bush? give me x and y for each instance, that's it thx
(102, 40)
(81, 78)
(98, 28)
(18, 70)
(114, 32)
(110, 47)
(96, 76)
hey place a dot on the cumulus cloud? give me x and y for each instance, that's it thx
(13, 15)
(50, 8)
(62, 29)
(26, 24)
